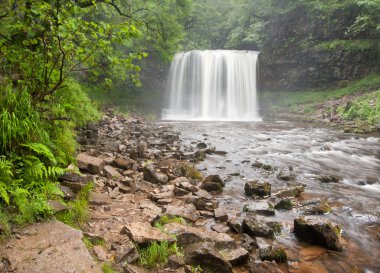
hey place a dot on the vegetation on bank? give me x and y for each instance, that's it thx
(52, 55)
(358, 102)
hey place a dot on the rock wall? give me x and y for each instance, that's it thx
(305, 50)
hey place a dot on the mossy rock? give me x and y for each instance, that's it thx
(285, 204)
(275, 254)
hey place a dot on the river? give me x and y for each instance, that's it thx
(308, 152)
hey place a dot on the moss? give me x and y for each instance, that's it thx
(108, 268)
(190, 171)
(276, 254)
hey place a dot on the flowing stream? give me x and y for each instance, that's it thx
(213, 85)
(309, 152)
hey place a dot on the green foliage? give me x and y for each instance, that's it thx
(77, 215)
(365, 108)
(157, 254)
(348, 45)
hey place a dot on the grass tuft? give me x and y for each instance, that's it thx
(157, 254)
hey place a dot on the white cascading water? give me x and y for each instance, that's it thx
(213, 85)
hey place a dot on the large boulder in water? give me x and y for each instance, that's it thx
(256, 188)
(319, 231)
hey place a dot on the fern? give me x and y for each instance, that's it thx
(42, 150)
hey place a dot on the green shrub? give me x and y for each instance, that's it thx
(157, 254)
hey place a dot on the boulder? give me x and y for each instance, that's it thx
(126, 252)
(75, 182)
(121, 163)
(143, 234)
(187, 235)
(317, 230)
(205, 255)
(152, 176)
(221, 214)
(292, 191)
(212, 187)
(99, 199)
(329, 178)
(187, 211)
(316, 207)
(100, 254)
(257, 229)
(214, 178)
(238, 256)
(93, 165)
(48, 247)
(111, 172)
(260, 207)
(256, 188)
(273, 254)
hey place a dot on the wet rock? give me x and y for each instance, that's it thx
(205, 255)
(256, 188)
(214, 178)
(257, 229)
(221, 214)
(93, 165)
(235, 225)
(319, 231)
(111, 172)
(257, 164)
(48, 247)
(202, 145)
(285, 204)
(329, 178)
(152, 176)
(276, 226)
(292, 191)
(286, 176)
(260, 207)
(212, 187)
(316, 207)
(143, 234)
(264, 267)
(207, 214)
(273, 254)
(217, 152)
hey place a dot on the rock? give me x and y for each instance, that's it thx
(234, 225)
(100, 254)
(273, 254)
(214, 178)
(292, 191)
(202, 145)
(285, 204)
(257, 229)
(286, 176)
(187, 211)
(93, 165)
(316, 207)
(238, 256)
(212, 187)
(68, 194)
(221, 214)
(256, 188)
(111, 172)
(205, 255)
(56, 206)
(260, 207)
(257, 164)
(142, 234)
(187, 235)
(122, 163)
(264, 267)
(176, 262)
(319, 231)
(48, 247)
(152, 176)
(221, 228)
(75, 182)
(126, 252)
(329, 178)
(98, 199)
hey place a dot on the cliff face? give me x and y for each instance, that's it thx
(305, 50)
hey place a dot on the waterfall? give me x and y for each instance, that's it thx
(213, 85)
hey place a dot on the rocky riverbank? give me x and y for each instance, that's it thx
(149, 192)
